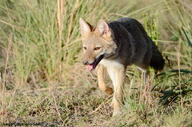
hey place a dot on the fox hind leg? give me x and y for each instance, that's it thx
(144, 74)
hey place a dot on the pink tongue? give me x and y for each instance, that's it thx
(90, 67)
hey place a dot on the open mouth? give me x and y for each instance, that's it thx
(95, 63)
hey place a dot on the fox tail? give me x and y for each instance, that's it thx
(157, 61)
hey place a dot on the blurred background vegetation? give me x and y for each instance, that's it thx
(42, 80)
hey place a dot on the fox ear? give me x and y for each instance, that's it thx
(103, 28)
(85, 27)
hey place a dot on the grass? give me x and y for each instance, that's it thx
(43, 82)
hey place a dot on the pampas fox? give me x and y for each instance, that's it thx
(115, 45)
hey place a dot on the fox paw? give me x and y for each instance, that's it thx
(116, 113)
(109, 91)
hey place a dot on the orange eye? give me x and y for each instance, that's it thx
(97, 48)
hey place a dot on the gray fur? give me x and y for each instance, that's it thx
(134, 45)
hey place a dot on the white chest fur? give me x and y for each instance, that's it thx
(115, 70)
(111, 63)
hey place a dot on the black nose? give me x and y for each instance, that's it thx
(85, 62)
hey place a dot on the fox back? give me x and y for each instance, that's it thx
(135, 46)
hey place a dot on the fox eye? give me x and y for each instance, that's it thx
(97, 48)
(84, 48)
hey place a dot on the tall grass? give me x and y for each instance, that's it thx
(45, 34)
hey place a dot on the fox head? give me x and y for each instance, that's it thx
(97, 42)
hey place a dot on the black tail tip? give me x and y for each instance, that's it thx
(157, 63)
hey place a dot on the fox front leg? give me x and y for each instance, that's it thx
(117, 75)
(101, 80)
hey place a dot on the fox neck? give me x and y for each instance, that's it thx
(111, 56)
